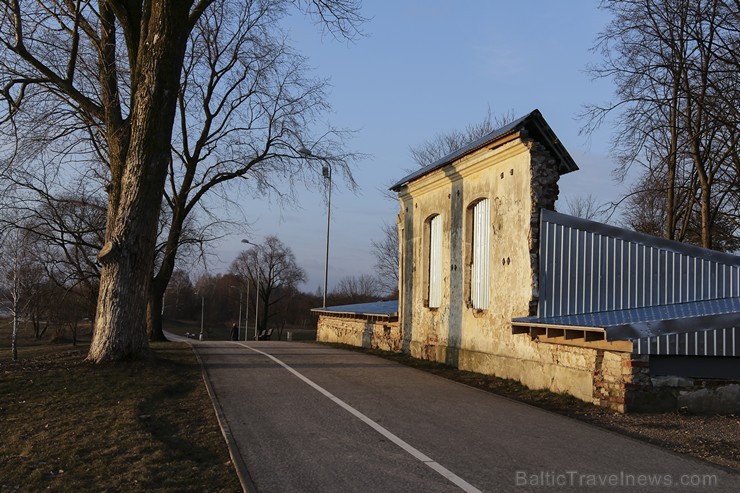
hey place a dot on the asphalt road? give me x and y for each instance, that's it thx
(309, 418)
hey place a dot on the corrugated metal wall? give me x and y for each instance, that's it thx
(715, 342)
(591, 267)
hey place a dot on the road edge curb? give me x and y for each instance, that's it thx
(236, 458)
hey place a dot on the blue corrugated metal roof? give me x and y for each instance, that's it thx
(534, 119)
(558, 218)
(375, 309)
(650, 321)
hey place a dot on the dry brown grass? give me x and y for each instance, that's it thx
(140, 425)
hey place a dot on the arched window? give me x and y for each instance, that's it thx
(434, 260)
(480, 253)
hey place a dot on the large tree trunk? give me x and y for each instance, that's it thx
(155, 330)
(128, 258)
(162, 279)
(137, 184)
(670, 232)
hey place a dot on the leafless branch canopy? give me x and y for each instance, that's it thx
(675, 112)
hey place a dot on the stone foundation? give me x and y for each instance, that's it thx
(614, 379)
(597, 376)
(360, 332)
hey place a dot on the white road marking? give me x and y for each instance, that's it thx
(446, 473)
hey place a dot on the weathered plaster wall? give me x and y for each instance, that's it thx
(502, 176)
(359, 332)
(518, 178)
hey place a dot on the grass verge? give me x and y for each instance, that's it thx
(140, 425)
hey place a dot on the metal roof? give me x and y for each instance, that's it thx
(574, 222)
(635, 323)
(375, 309)
(533, 122)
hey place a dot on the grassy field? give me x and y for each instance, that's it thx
(140, 425)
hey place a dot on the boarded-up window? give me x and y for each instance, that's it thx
(481, 245)
(435, 261)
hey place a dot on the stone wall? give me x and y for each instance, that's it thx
(646, 393)
(360, 332)
(544, 193)
(601, 377)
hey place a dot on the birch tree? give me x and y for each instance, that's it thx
(20, 277)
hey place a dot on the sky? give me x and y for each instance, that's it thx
(424, 68)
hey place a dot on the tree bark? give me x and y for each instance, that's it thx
(137, 186)
(14, 336)
(155, 331)
(706, 215)
(162, 279)
(670, 232)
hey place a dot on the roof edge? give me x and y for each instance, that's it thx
(534, 119)
(553, 217)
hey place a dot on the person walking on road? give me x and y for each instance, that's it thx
(234, 333)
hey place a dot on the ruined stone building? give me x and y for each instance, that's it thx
(492, 280)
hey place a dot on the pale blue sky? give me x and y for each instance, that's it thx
(427, 67)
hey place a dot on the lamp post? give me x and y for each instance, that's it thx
(326, 171)
(246, 314)
(239, 320)
(257, 296)
(202, 313)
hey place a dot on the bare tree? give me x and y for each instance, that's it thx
(445, 143)
(675, 66)
(245, 111)
(112, 69)
(586, 207)
(386, 253)
(271, 266)
(357, 289)
(20, 277)
(645, 212)
(179, 298)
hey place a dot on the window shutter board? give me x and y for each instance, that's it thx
(480, 279)
(435, 262)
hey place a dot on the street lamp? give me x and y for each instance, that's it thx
(326, 171)
(246, 314)
(202, 313)
(257, 297)
(239, 320)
